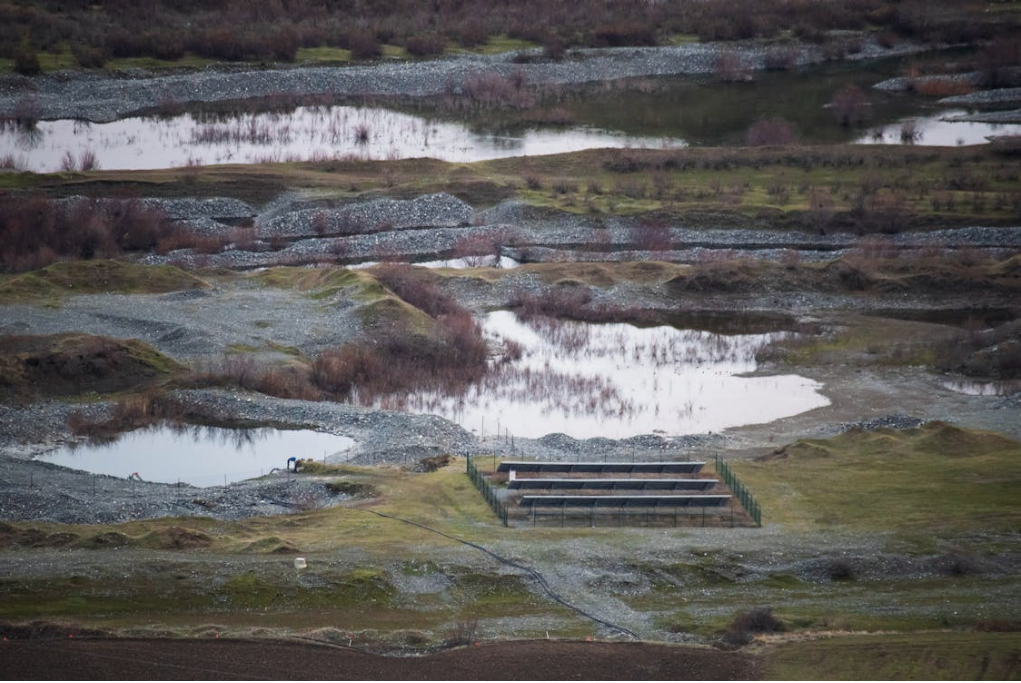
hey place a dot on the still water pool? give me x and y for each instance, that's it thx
(200, 456)
(619, 380)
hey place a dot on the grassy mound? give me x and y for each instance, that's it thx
(67, 364)
(935, 476)
(93, 277)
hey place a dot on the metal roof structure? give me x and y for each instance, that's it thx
(614, 484)
(625, 501)
(602, 467)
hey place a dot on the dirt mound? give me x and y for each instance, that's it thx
(177, 538)
(107, 539)
(12, 536)
(272, 545)
(68, 364)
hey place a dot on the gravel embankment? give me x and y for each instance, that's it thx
(431, 226)
(980, 98)
(101, 98)
(1009, 116)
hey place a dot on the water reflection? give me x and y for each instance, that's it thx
(201, 456)
(315, 133)
(619, 380)
(936, 130)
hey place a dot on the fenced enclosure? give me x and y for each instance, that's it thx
(614, 494)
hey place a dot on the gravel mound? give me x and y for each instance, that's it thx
(439, 210)
(986, 97)
(895, 421)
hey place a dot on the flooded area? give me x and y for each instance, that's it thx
(303, 134)
(619, 380)
(936, 130)
(642, 113)
(200, 456)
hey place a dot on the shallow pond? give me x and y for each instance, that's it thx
(619, 380)
(303, 134)
(663, 112)
(200, 456)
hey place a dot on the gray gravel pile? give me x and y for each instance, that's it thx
(39, 491)
(439, 210)
(895, 421)
(986, 97)
(431, 226)
(1009, 116)
(383, 437)
(904, 83)
(101, 98)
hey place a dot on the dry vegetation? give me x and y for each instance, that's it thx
(92, 35)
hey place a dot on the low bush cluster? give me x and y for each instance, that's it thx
(37, 231)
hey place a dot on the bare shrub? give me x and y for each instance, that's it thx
(909, 133)
(730, 68)
(462, 633)
(775, 131)
(653, 236)
(747, 624)
(364, 45)
(425, 45)
(782, 58)
(88, 161)
(850, 106)
(840, 569)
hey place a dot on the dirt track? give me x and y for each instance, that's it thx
(86, 659)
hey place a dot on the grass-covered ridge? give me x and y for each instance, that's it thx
(936, 476)
(94, 277)
(858, 188)
(73, 363)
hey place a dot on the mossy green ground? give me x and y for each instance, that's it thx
(935, 477)
(924, 187)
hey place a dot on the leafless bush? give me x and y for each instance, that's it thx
(775, 131)
(653, 236)
(730, 68)
(850, 106)
(748, 624)
(463, 633)
(782, 58)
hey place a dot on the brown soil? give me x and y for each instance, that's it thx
(156, 659)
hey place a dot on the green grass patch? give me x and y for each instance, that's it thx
(936, 476)
(94, 277)
(324, 55)
(920, 656)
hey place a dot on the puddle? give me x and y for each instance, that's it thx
(936, 130)
(316, 133)
(996, 388)
(618, 380)
(200, 456)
